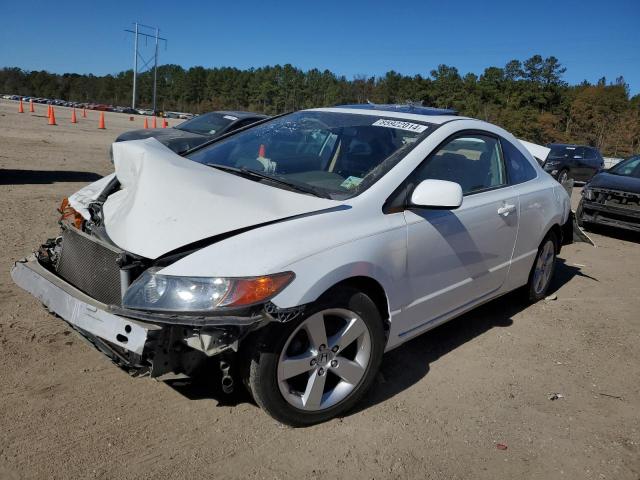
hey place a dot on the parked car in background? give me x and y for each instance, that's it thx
(127, 110)
(573, 161)
(292, 254)
(196, 131)
(612, 197)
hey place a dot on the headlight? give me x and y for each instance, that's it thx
(152, 291)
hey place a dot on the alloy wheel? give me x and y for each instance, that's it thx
(544, 267)
(324, 359)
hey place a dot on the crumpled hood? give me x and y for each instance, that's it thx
(538, 151)
(167, 201)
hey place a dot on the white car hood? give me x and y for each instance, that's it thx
(538, 151)
(167, 201)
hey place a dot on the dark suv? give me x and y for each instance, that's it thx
(573, 161)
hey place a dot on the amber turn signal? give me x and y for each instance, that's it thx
(69, 214)
(249, 291)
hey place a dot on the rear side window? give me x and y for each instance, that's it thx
(589, 154)
(518, 167)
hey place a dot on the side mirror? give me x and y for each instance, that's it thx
(440, 194)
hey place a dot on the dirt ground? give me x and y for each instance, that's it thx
(440, 407)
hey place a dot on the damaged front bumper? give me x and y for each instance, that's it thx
(144, 344)
(613, 216)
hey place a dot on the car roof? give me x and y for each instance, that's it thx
(568, 145)
(403, 108)
(439, 118)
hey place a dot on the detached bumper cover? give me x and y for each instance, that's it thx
(80, 310)
(147, 345)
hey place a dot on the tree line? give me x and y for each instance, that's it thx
(529, 98)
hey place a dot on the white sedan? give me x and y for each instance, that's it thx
(291, 255)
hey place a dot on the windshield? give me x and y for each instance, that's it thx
(207, 124)
(561, 152)
(628, 168)
(338, 154)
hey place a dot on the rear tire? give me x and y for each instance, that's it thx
(543, 268)
(300, 383)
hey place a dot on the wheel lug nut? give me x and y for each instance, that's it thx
(335, 349)
(321, 372)
(313, 362)
(334, 363)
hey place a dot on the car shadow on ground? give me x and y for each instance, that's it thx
(612, 232)
(564, 273)
(33, 177)
(409, 363)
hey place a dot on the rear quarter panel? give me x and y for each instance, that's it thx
(543, 204)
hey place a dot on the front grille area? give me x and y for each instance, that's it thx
(90, 266)
(617, 199)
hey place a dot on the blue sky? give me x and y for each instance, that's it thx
(591, 38)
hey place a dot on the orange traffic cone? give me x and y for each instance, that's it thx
(146, 123)
(52, 117)
(73, 116)
(31, 109)
(101, 122)
(153, 123)
(20, 107)
(165, 124)
(84, 113)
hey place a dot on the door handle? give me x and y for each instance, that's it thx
(506, 209)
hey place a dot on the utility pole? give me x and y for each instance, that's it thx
(155, 70)
(135, 67)
(136, 54)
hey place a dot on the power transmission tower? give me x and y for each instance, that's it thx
(136, 54)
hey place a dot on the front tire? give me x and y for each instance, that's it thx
(312, 369)
(543, 268)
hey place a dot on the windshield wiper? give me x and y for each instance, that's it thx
(245, 172)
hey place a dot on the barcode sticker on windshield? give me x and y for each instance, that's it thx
(412, 127)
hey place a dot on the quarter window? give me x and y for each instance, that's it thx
(473, 161)
(519, 168)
